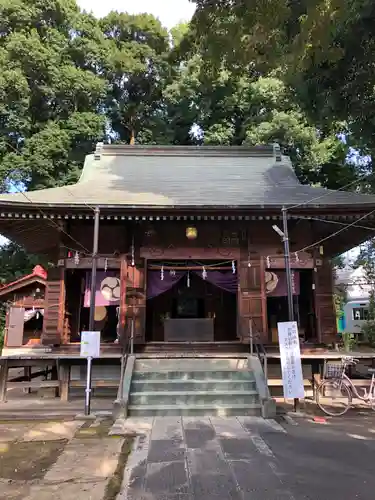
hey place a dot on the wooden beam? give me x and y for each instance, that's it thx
(190, 268)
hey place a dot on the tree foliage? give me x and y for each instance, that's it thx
(233, 109)
(324, 50)
(235, 75)
(47, 88)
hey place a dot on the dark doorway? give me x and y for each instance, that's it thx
(193, 297)
(303, 301)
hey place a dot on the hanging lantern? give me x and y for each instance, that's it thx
(191, 233)
(188, 279)
(268, 260)
(162, 273)
(297, 257)
(321, 250)
(105, 265)
(233, 267)
(76, 258)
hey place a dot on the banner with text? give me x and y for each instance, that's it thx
(290, 357)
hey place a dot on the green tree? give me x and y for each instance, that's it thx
(324, 50)
(228, 108)
(51, 94)
(136, 68)
(15, 262)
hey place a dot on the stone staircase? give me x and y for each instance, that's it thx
(193, 387)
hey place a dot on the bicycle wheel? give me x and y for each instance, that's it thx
(333, 397)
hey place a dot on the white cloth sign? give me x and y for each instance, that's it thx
(290, 356)
(90, 344)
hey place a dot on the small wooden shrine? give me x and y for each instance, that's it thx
(186, 245)
(24, 302)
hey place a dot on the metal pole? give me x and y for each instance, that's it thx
(88, 387)
(132, 336)
(92, 306)
(93, 269)
(288, 278)
(287, 266)
(251, 336)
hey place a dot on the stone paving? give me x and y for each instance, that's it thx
(59, 460)
(177, 458)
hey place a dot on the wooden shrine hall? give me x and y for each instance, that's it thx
(187, 252)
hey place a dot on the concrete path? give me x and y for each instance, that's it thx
(202, 458)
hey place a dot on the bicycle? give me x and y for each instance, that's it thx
(341, 390)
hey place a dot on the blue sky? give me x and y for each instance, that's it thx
(170, 12)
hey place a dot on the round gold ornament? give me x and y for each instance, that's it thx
(100, 313)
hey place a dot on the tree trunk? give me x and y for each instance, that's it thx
(132, 137)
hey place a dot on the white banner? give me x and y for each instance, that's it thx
(290, 356)
(90, 344)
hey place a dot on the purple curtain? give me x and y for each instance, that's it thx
(156, 286)
(225, 280)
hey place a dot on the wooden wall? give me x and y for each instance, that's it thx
(252, 242)
(53, 325)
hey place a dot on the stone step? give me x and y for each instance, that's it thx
(192, 384)
(207, 375)
(194, 410)
(194, 398)
(191, 364)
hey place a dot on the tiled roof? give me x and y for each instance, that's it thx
(38, 274)
(174, 176)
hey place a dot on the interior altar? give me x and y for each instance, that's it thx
(189, 330)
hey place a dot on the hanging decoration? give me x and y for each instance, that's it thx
(233, 267)
(191, 233)
(188, 280)
(76, 258)
(204, 273)
(172, 272)
(297, 257)
(321, 250)
(268, 261)
(133, 252)
(105, 265)
(100, 313)
(162, 273)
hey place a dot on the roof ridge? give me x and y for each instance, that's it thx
(272, 150)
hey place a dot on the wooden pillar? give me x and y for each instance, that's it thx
(324, 303)
(64, 382)
(136, 301)
(3, 380)
(252, 299)
(123, 300)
